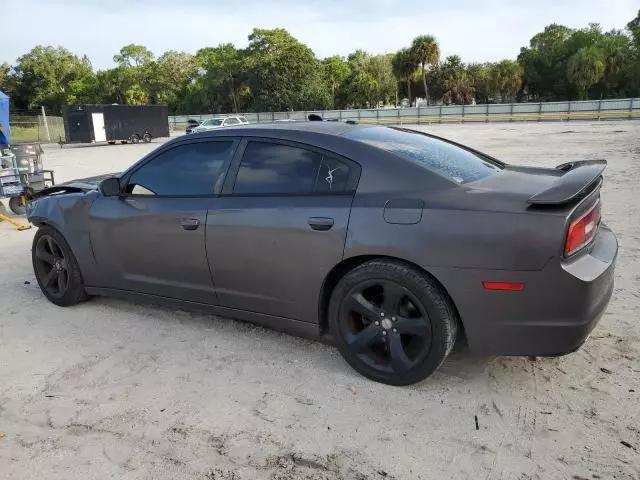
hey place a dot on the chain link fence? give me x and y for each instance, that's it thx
(618, 109)
(34, 128)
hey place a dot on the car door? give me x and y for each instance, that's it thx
(151, 239)
(279, 227)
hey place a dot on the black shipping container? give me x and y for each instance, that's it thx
(112, 123)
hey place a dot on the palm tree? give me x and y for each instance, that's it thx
(403, 68)
(506, 78)
(425, 51)
(585, 68)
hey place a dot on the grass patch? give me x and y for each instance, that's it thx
(20, 134)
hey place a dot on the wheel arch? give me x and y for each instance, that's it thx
(346, 265)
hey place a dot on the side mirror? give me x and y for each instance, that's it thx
(110, 187)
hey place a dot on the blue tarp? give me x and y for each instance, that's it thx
(4, 119)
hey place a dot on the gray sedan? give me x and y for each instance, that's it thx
(390, 242)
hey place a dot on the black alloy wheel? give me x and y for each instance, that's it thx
(392, 322)
(56, 268)
(52, 267)
(386, 326)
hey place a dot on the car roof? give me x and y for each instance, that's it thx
(327, 128)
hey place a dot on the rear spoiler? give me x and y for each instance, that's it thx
(579, 178)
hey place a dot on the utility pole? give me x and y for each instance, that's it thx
(46, 125)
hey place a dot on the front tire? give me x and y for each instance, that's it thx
(16, 205)
(134, 139)
(391, 322)
(56, 268)
(146, 138)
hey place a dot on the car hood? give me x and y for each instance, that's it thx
(78, 185)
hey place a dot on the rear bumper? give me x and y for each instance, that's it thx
(553, 315)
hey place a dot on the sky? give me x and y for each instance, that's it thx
(477, 30)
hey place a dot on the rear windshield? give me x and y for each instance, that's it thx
(450, 161)
(213, 122)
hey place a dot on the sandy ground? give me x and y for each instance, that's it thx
(114, 389)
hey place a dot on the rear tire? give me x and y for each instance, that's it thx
(135, 138)
(111, 142)
(56, 268)
(16, 205)
(391, 322)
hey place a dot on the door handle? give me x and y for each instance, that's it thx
(190, 223)
(320, 223)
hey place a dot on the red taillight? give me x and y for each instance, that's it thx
(510, 286)
(582, 230)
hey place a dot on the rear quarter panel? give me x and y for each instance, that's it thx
(457, 228)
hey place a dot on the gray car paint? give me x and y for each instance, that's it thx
(258, 259)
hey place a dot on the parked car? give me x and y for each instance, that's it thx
(191, 124)
(214, 123)
(389, 241)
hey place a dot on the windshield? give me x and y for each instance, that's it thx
(443, 158)
(212, 123)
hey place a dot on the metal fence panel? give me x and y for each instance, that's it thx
(452, 110)
(554, 107)
(525, 108)
(589, 106)
(588, 109)
(616, 104)
(388, 112)
(350, 114)
(409, 112)
(475, 109)
(498, 108)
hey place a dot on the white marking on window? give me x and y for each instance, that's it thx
(329, 178)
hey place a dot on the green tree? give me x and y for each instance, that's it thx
(544, 63)
(380, 69)
(404, 68)
(50, 76)
(480, 76)
(133, 56)
(167, 78)
(585, 68)
(506, 78)
(631, 73)
(618, 57)
(120, 85)
(457, 84)
(336, 69)
(425, 51)
(136, 95)
(370, 81)
(222, 76)
(280, 70)
(5, 77)
(634, 28)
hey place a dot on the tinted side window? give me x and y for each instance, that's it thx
(190, 169)
(333, 176)
(231, 121)
(269, 168)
